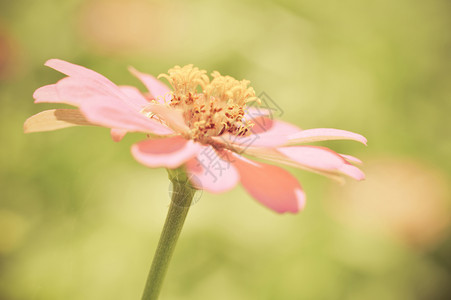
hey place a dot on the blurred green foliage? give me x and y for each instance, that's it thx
(80, 219)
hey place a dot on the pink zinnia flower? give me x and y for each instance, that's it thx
(203, 124)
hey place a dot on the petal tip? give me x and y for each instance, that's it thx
(133, 71)
(300, 204)
(117, 134)
(51, 62)
(26, 127)
(300, 195)
(46, 93)
(353, 172)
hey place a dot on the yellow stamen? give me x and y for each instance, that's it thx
(211, 108)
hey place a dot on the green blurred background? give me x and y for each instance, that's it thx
(80, 219)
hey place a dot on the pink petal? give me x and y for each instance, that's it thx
(271, 133)
(239, 144)
(47, 94)
(171, 116)
(272, 186)
(157, 89)
(324, 134)
(104, 103)
(118, 134)
(265, 133)
(314, 157)
(352, 171)
(351, 159)
(96, 82)
(273, 155)
(265, 125)
(82, 84)
(212, 172)
(169, 152)
(101, 105)
(253, 112)
(75, 90)
(110, 112)
(74, 70)
(320, 158)
(134, 95)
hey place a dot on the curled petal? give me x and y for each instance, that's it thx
(212, 171)
(169, 152)
(324, 134)
(157, 89)
(55, 119)
(272, 186)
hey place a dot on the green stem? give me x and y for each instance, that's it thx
(182, 195)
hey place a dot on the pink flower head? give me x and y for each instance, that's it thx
(204, 124)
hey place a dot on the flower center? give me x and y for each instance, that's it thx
(211, 107)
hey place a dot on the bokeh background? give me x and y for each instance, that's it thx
(80, 219)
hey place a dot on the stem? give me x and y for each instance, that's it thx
(182, 195)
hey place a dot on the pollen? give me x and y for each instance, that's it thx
(211, 107)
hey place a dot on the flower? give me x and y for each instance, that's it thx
(203, 124)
